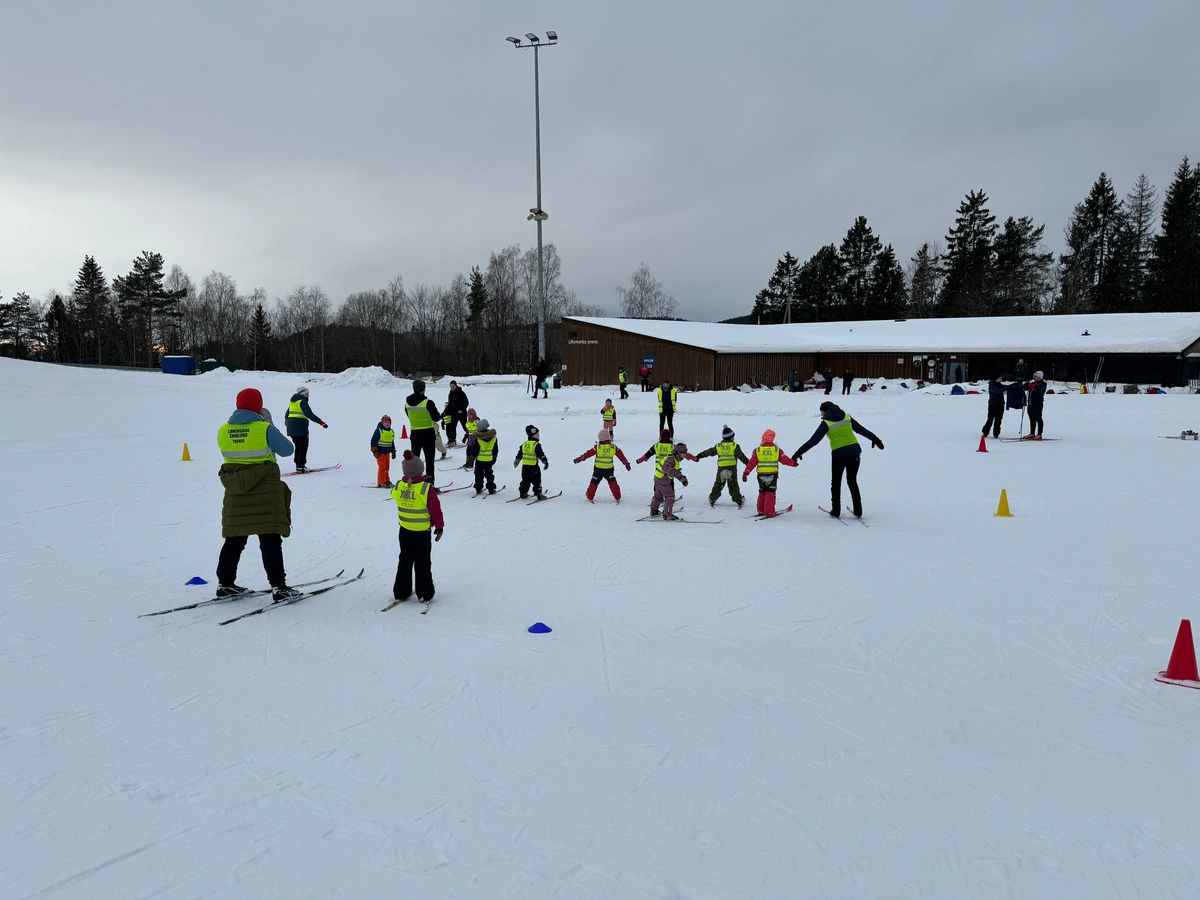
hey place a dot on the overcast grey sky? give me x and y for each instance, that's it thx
(347, 143)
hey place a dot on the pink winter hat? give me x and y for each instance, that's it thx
(768, 436)
(412, 467)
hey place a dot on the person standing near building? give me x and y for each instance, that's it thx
(728, 453)
(1020, 370)
(422, 424)
(668, 400)
(828, 376)
(383, 448)
(540, 373)
(420, 512)
(256, 499)
(457, 405)
(644, 374)
(1037, 400)
(487, 446)
(794, 383)
(664, 483)
(847, 380)
(604, 451)
(767, 459)
(997, 392)
(298, 416)
(608, 416)
(844, 451)
(623, 382)
(528, 455)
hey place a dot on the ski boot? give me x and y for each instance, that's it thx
(284, 593)
(231, 590)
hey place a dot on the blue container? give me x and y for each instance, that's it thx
(179, 365)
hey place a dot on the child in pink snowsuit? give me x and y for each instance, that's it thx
(604, 451)
(608, 416)
(664, 485)
(767, 459)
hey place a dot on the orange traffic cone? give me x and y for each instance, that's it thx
(982, 444)
(1182, 667)
(404, 432)
(187, 457)
(1002, 509)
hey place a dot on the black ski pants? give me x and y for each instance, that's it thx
(483, 472)
(457, 417)
(624, 392)
(846, 382)
(1035, 420)
(995, 417)
(415, 548)
(667, 416)
(301, 457)
(422, 441)
(271, 546)
(531, 477)
(848, 465)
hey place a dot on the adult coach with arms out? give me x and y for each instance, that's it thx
(844, 451)
(256, 499)
(298, 416)
(422, 418)
(668, 400)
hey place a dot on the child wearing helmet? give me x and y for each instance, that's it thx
(383, 448)
(604, 451)
(767, 459)
(528, 455)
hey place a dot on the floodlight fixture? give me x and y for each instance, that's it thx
(533, 38)
(515, 41)
(553, 35)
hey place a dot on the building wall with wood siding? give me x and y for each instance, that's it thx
(592, 354)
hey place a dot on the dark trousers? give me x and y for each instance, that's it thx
(301, 457)
(472, 452)
(846, 382)
(624, 393)
(483, 472)
(271, 546)
(456, 418)
(415, 547)
(848, 465)
(422, 441)
(995, 417)
(531, 477)
(667, 416)
(828, 385)
(1035, 420)
(645, 384)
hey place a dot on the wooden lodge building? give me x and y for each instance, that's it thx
(1134, 348)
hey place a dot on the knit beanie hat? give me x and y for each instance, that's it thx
(826, 406)
(302, 391)
(484, 425)
(471, 414)
(251, 399)
(1039, 375)
(666, 435)
(768, 436)
(530, 430)
(604, 436)
(386, 419)
(727, 433)
(412, 467)
(681, 447)
(418, 386)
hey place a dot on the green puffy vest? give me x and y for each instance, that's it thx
(412, 505)
(245, 444)
(840, 434)
(418, 416)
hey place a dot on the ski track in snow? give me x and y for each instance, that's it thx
(944, 704)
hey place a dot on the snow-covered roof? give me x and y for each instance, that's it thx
(1098, 333)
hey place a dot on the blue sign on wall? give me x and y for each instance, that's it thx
(648, 361)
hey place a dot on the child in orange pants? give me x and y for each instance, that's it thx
(383, 446)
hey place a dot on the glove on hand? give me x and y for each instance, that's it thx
(437, 535)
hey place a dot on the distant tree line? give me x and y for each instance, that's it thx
(1121, 256)
(482, 321)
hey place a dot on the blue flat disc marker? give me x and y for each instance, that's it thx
(539, 628)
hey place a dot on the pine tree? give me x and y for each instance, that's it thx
(969, 260)
(90, 300)
(859, 249)
(819, 287)
(260, 336)
(1175, 269)
(888, 293)
(143, 297)
(1023, 276)
(1141, 208)
(1100, 261)
(59, 331)
(17, 327)
(925, 283)
(773, 303)
(477, 303)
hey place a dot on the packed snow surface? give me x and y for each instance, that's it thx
(1095, 333)
(943, 704)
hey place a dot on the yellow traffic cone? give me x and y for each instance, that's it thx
(1002, 509)
(187, 457)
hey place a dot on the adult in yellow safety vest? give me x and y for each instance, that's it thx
(299, 414)
(420, 513)
(668, 402)
(845, 453)
(422, 416)
(256, 500)
(623, 382)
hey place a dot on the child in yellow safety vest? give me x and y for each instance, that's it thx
(668, 471)
(767, 459)
(661, 450)
(608, 416)
(420, 514)
(470, 426)
(383, 448)
(487, 447)
(728, 452)
(528, 455)
(604, 451)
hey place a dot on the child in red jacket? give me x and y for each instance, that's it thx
(767, 459)
(604, 451)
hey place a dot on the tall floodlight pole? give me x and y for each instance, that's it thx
(538, 214)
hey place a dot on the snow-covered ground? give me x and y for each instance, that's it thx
(944, 704)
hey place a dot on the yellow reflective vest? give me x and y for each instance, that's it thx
(387, 439)
(529, 453)
(418, 416)
(727, 455)
(674, 398)
(487, 450)
(245, 444)
(840, 434)
(661, 451)
(294, 411)
(412, 505)
(768, 459)
(604, 455)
